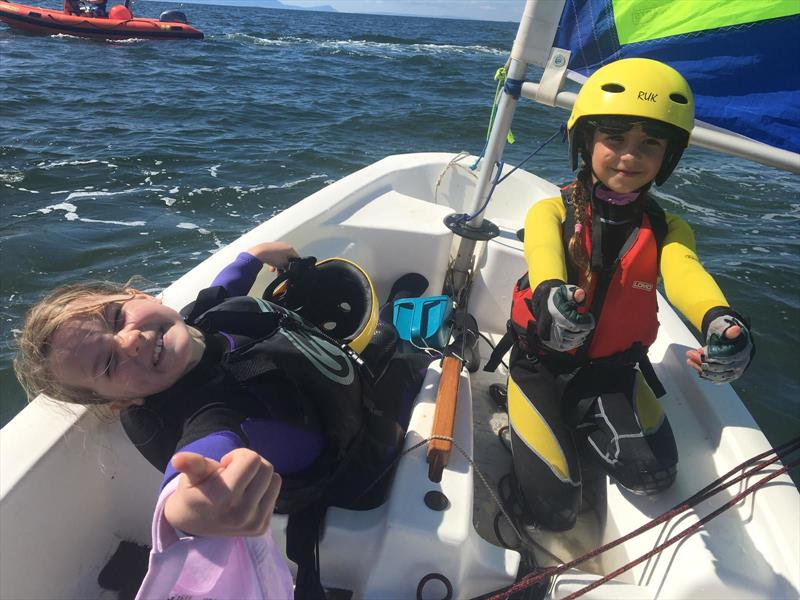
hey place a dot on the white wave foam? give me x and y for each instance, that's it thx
(792, 215)
(259, 41)
(12, 177)
(71, 214)
(97, 193)
(204, 190)
(711, 215)
(199, 229)
(369, 47)
(46, 166)
(127, 41)
(65, 206)
(125, 223)
(393, 50)
(291, 184)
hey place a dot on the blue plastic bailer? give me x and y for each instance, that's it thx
(423, 322)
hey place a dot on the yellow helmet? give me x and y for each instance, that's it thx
(641, 89)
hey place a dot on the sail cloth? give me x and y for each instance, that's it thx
(739, 56)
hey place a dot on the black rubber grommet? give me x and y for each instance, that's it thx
(435, 577)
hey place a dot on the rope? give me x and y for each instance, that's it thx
(500, 77)
(685, 533)
(498, 180)
(704, 494)
(453, 162)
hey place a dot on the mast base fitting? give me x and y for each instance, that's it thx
(485, 231)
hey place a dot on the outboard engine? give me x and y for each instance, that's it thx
(173, 16)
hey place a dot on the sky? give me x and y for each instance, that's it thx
(485, 10)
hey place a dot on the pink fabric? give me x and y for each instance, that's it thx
(612, 197)
(232, 568)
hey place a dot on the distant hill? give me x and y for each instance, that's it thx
(279, 4)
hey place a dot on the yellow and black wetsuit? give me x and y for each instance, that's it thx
(595, 399)
(689, 287)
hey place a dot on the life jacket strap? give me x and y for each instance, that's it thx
(302, 547)
(636, 354)
(503, 346)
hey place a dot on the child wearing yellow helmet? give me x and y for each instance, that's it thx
(586, 311)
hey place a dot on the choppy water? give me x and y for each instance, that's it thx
(142, 157)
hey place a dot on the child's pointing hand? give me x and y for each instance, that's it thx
(233, 497)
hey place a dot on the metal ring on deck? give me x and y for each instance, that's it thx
(458, 224)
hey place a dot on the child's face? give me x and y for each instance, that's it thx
(627, 161)
(136, 348)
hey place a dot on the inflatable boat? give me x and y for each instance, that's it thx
(119, 24)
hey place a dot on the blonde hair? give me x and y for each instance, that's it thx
(32, 362)
(580, 199)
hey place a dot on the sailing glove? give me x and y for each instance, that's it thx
(559, 325)
(725, 360)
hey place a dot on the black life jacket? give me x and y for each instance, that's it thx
(286, 368)
(305, 378)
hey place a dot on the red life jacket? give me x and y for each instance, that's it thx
(624, 302)
(628, 315)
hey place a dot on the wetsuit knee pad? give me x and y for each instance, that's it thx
(632, 437)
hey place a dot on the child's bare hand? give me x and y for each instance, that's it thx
(274, 254)
(233, 497)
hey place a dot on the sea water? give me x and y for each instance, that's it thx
(144, 157)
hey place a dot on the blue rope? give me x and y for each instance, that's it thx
(498, 180)
(561, 130)
(474, 165)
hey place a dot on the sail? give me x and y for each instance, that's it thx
(739, 56)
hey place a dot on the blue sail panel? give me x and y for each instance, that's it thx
(745, 77)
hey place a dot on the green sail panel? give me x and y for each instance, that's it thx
(638, 21)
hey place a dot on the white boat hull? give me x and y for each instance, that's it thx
(72, 487)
